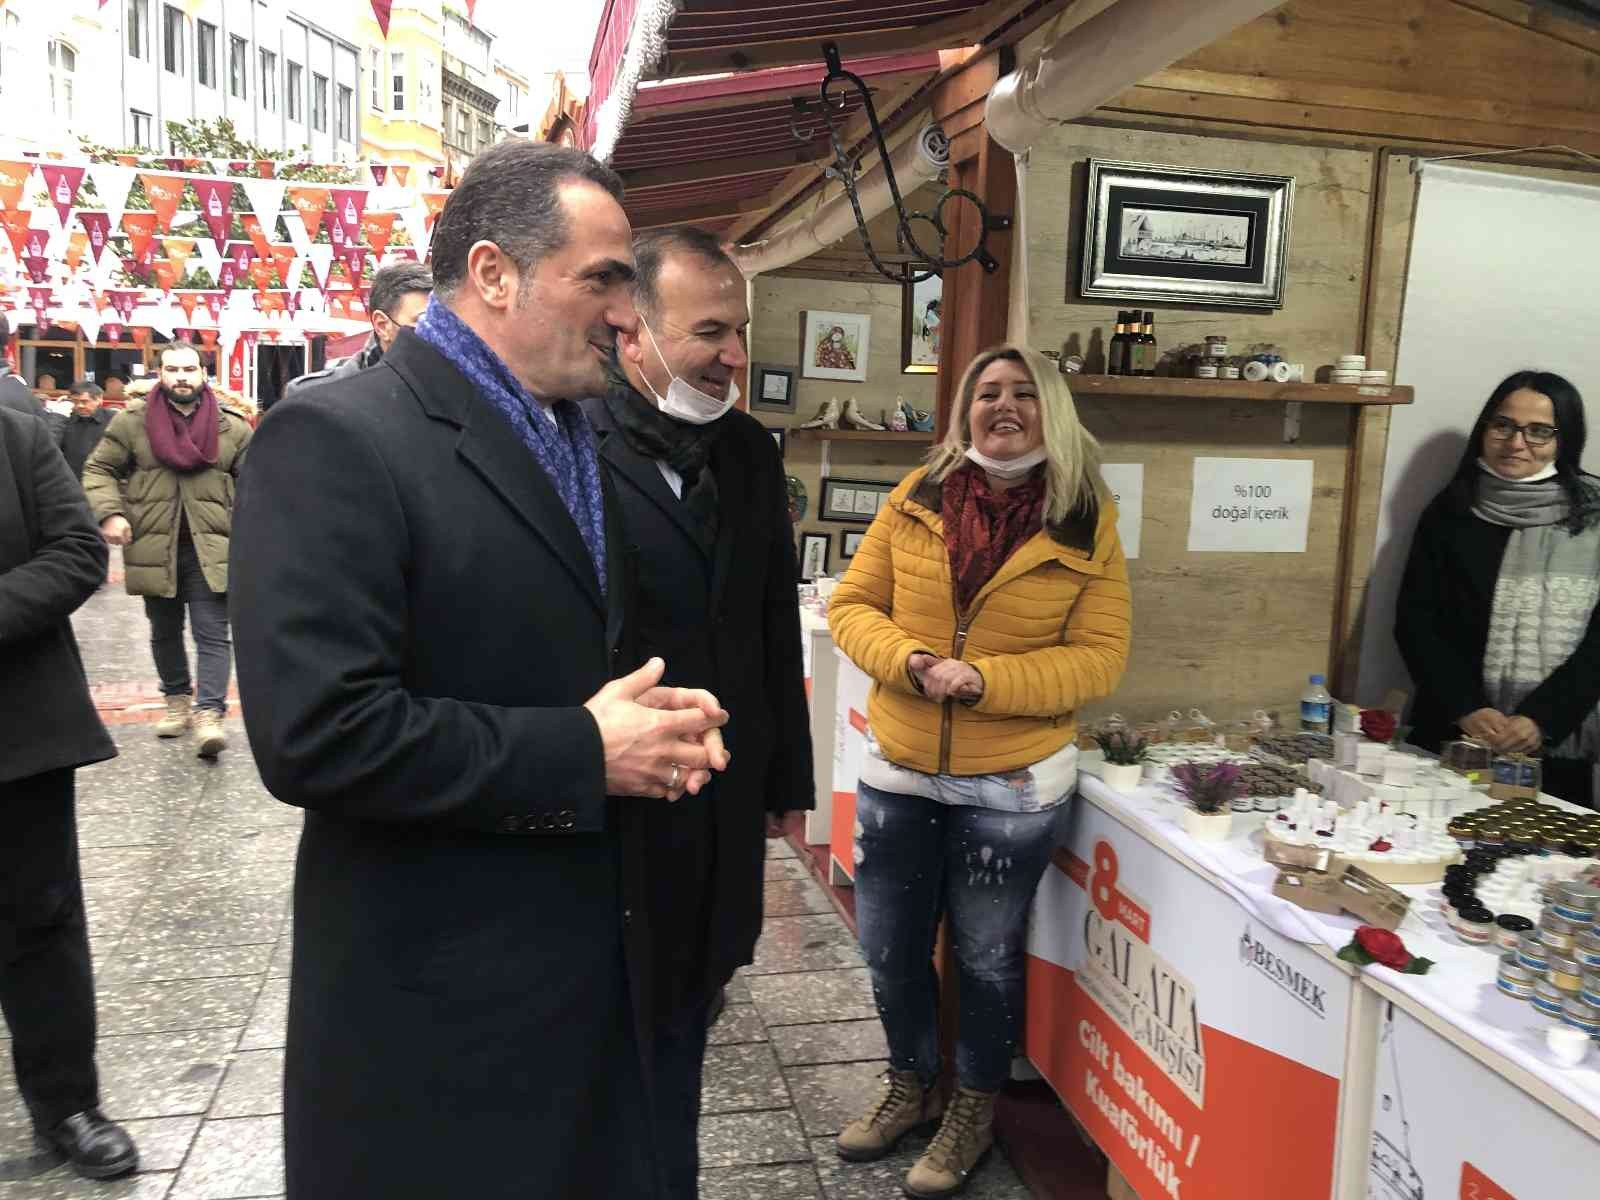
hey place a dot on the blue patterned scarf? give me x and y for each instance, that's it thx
(565, 448)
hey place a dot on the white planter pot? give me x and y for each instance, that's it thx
(1206, 827)
(1121, 777)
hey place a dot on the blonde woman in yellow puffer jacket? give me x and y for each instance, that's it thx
(988, 601)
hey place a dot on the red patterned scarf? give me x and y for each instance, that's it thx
(984, 527)
(183, 443)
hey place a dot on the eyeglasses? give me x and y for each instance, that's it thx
(1537, 434)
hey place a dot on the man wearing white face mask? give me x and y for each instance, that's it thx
(705, 512)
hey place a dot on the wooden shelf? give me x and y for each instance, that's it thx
(860, 435)
(1163, 387)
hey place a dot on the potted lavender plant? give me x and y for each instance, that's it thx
(1125, 753)
(1208, 790)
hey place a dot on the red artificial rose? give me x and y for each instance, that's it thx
(1384, 947)
(1378, 724)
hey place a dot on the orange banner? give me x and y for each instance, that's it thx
(188, 301)
(77, 244)
(1475, 1185)
(378, 228)
(166, 274)
(310, 203)
(261, 274)
(256, 234)
(140, 228)
(13, 178)
(15, 221)
(283, 262)
(435, 205)
(179, 250)
(164, 193)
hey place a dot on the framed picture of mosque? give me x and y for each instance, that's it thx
(1185, 234)
(834, 345)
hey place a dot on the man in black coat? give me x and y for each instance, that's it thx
(702, 494)
(428, 597)
(51, 560)
(80, 433)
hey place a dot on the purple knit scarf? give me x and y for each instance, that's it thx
(184, 443)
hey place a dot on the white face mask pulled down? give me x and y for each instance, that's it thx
(1008, 468)
(683, 401)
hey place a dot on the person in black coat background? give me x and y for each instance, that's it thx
(80, 433)
(703, 501)
(428, 600)
(51, 560)
(1491, 579)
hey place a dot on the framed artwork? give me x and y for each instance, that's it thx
(777, 433)
(854, 500)
(920, 326)
(834, 345)
(849, 542)
(772, 388)
(813, 555)
(1186, 234)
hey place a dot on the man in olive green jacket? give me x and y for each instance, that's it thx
(161, 484)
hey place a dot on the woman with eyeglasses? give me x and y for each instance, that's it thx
(1496, 617)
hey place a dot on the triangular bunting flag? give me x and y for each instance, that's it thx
(164, 192)
(166, 274)
(240, 254)
(256, 234)
(111, 184)
(111, 331)
(127, 160)
(380, 172)
(61, 183)
(266, 201)
(13, 178)
(188, 300)
(355, 258)
(378, 228)
(37, 243)
(261, 274)
(227, 274)
(122, 300)
(380, 10)
(39, 299)
(208, 338)
(348, 205)
(283, 258)
(434, 203)
(291, 301)
(336, 234)
(310, 203)
(140, 228)
(38, 267)
(98, 226)
(140, 335)
(213, 301)
(176, 164)
(77, 243)
(179, 250)
(215, 196)
(15, 221)
(402, 172)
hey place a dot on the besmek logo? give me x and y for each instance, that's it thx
(1292, 980)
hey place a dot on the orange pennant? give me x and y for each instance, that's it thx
(77, 244)
(208, 338)
(435, 204)
(13, 178)
(283, 259)
(309, 202)
(140, 335)
(261, 274)
(140, 228)
(378, 228)
(188, 300)
(179, 250)
(166, 273)
(164, 193)
(256, 234)
(401, 173)
(128, 160)
(15, 221)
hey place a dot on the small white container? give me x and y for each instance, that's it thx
(1370, 758)
(1205, 827)
(1358, 361)
(1281, 372)
(1375, 377)
(1255, 372)
(1568, 1044)
(1121, 777)
(1205, 370)
(1228, 371)
(1400, 769)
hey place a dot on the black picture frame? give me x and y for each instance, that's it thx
(780, 435)
(849, 543)
(813, 541)
(760, 374)
(831, 505)
(917, 356)
(1185, 235)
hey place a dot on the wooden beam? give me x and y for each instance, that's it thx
(1540, 21)
(707, 170)
(698, 214)
(959, 30)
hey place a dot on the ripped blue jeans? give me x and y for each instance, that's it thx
(917, 859)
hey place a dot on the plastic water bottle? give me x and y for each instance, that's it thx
(1316, 707)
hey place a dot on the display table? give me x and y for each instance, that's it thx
(849, 746)
(821, 674)
(1134, 891)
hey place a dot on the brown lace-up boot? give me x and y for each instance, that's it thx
(902, 1106)
(964, 1138)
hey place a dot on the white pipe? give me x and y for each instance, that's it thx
(1105, 56)
(916, 161)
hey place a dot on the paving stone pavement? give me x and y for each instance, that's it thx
(187, 869)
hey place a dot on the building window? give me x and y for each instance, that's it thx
(267, 88)
(397, 77)
(427, 88)
(295, 86)
(237, 68)
(10, 50)
(463, 127)
(139, 29)
(63, 65)
(143, 129)
(344, 126)
(485, 133)
(375, 78)
(319, 102)
(205, 45)
(172, 39)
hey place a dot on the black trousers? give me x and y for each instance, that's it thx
(680, 1055)
(1571, 779)
(46, 982)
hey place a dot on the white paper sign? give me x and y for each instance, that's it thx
(1250, 505)
(1126, 481)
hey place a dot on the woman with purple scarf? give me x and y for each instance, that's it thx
(161, 484)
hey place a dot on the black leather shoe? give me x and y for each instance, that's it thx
(96, 1147)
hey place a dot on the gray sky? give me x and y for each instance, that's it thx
(555, 35)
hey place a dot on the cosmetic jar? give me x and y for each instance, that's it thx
(1514, 979)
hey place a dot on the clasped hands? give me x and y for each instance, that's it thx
(659, 741)
(1508, 735)
(944, 679)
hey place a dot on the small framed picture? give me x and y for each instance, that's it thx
(778, 433)
(849, 541)
(853, 500)
(813, 555)
(771, 388)
(920, 326)
(835, 344)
